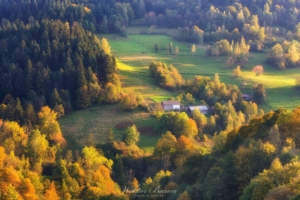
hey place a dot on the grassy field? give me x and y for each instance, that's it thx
(135, 53)
(137, 78)
(97, 120)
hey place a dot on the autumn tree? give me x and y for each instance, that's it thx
(49, 126)
(165, 149)
(178, 123)
(11, 193)
(200, 120)
(51, 193)
(131, 136)
(246, 156)
(184, 196)
(237, 72)
(276, 57)
(130, 101)
(13, 137)
(92, 159)
(258, 70)
(185, 145)
(27, 190)
(110, 94)
(193, 49)
(105, 46)
(166, 76)
(37, 146)
(186, 98)
(190, 128)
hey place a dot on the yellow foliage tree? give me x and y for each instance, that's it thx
(185, 144)
(51, 193)
(190, 128)
(184, 196)
(27, 190)
(237, 71)
(13, 137)
(105, 185)
(92, 159)
(105, 46)
(49, 126)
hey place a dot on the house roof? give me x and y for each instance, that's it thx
(192, 108)
(171, 102)
(245, 95)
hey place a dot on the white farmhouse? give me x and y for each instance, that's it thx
(170, 105)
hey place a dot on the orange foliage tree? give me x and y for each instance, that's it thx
(259, 69)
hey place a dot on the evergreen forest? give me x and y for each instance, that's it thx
(57, 60)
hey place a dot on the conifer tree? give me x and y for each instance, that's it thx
(156, 47)
(30, 116)
(54, 99)
(18, 115)
(170, 48)
(83, 97)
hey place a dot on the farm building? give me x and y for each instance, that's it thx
(170, 105)
(246, 97)
(202, 109)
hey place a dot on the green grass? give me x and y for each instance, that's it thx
(147, 143)
(279, 84)
(137, 78)
(97, 120)
(159, 99)
(134, 55)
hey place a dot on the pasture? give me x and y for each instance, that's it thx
(97, 120)
(135, 53)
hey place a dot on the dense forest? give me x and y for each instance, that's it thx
(53, 63)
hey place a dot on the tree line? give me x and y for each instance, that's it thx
(243, 161)
(209, 15)
(104, 16)
(53, 63)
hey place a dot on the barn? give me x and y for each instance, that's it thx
(202, 109)
(170, 105)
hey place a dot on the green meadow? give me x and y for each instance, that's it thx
(97, 120)
(135, 53)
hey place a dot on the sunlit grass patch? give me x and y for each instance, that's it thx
(125, 67)
(134, 58)
(159, 99)
(270, 81)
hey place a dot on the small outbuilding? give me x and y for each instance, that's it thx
(170, 105)
(246, 97)
(202, 109)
